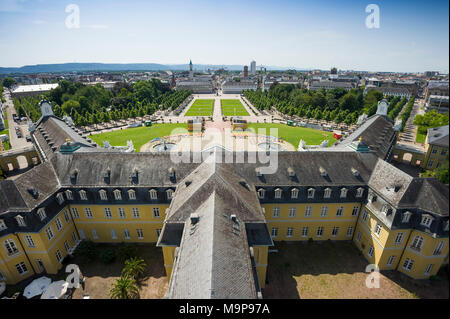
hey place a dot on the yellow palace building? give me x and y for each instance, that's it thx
(216, 219)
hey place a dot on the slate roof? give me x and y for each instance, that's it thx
(438, 136)
(10, 198)
(377, 132)
(57, 132)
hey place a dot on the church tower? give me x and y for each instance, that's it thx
(191, 72)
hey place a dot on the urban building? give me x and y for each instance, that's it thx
(253, 67)
(436, 147)
(236, 87)
(32, 90)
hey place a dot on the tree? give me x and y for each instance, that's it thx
(8, 82)
(134, 267)
(124, 288)
(71, 106)
(441, 173)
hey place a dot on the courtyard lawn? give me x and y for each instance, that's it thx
(6, 145)
(293, 134)
(201, 107)
(420, 138)
(327, 269)
(139, 135)
(233, 107)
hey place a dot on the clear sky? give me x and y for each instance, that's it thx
(413, 35)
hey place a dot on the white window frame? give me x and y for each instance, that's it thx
(290, 232)
(121, 212)
(417, 243)
(359, 192)
(355, 210)
(276, 212)
(169, 193)
(67, 246)
(340, 211)
(135, 212)
(344, 192)
(294, 193)
(22, 268)
(308, 211)
(94, 234)
(292, 212)
(274, 232)
(59, 256)
(74, 212)
(428, 269)
(11, 244)
(117, 194)
(30, 242)
(41, 213)
(327, 193)
(156, 212)
(88, 212)
(261, 193)
(69, 195)
(108, 213)
(377, 229)
(311, 193)
(153, 194)
(390, 260)
(103, 195)
(21, 221)
(113, 234)
(406, 217)
(358, 236)
(305, 231)
(335, 231)
(319, 231)
(399, 238)
(2, 225)
(350, 231)
(324, 211)
(83, 194)
(132, 194)
(364, 215)
(140, 233)
(59, 224)
(60, 198)
(50, 233)
(408, 264)
(426, 220)
(67, 216)
(370, 251)
(439, 248)
(126, 234)
(278, 193)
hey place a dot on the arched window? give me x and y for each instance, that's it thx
(417, 243)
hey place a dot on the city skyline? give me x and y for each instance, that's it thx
(412, 37)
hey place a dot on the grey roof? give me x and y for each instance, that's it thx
(437, 84)
(427, 194)
(10, 198)
(438, 136)
(57, 132)
(389, 182)
(213, 260)
(377, 132)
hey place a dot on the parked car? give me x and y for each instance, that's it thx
(19, 134)
(28, 137)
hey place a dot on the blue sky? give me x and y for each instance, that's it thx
(413, 35)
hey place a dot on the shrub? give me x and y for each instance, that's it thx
(126, 251)
(107, 256)
(134, 267)
(87, 250)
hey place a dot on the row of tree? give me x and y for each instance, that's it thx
(93, 104)
(429, 120)
(338, 105)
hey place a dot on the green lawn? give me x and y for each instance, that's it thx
(201, 107)
(293, 134)
(233, 107)
(420, 138)
(139, 135)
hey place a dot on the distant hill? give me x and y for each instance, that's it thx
(119, 67)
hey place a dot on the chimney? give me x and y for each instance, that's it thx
(194, 218)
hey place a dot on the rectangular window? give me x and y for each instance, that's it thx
(319, 231)
(428, 269)
(370, 252)
(399, 238)
(308, 211)
(140, 234)
(67, 216)
(74, 212)
(135, 212)
(391, 260)
(355, 211)
(21, 268)
(126, 233)
(364, 215)
(40, 265)
(350, 231)
(290, 232)
(274, 232)
(430, 163)
(122, 214)
(82, 234)
(113, 234)
(74, 238)
(10, 247)
(335, 231)
(408, 264)
(66, 245)
(2, 225)
(88, 212)
(30, 242)
(377, 229)
(438, 249)
(108, 213)
(292, 211)
(58, 224)
(305, 232)
(94, 234)
(358, 237)
(276, 212)
(59, 256)
(340, 211)
(324, 211)
(156, 212)
(49, 233)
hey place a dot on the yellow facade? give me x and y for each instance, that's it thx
(435, 156)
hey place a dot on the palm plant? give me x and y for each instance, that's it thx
(124, 288)
(134, 267)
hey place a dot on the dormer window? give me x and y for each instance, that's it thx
(41, 213)
(258, 172)
(359, 192)
(261, 192)
(107, 175)
(311, 192)
(2, 225)
(426, 220)
(118, 194)
(406, 217)
(323, 172)
(102, 194)
(153, 194)
(385, 209)
(83, 195)
(291, 172)
(69, 194)
(20, 221)
(294, 193)
(278, 193)
(74, 175)
(171, 173)
(131, 194)
(60, 198)
(169, 194)
(344, 192)
(327, 193)
(372, 198)
(134, 176)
